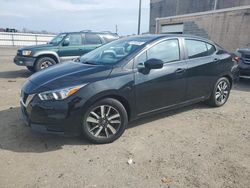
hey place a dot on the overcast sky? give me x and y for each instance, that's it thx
(74, 15)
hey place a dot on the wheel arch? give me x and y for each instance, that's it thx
(116, 96)
(229, 78)
(52, 55)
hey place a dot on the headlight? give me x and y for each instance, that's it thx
(26, 52)
(59, 94)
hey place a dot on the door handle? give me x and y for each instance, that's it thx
(180, 71)
(216, 59)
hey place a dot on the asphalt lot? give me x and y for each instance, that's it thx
(196, 146)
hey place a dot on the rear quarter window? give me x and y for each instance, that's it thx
(196, 48)
(210, 49)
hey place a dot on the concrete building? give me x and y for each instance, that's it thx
(226, 22)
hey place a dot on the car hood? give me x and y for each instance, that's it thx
(40, 46)
(65, 75)
(244, 50)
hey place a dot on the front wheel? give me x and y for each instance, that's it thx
(220, 93)
(105, 121)
(43, 63)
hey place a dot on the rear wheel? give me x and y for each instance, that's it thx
(43, 63)
(220, 93)
(105, 121)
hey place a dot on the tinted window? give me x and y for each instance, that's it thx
(167, 51)
(92, 39)
(196, 48)
(74, 39)
(210, 49)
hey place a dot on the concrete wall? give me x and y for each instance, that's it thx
(228, 27)
(165, 8)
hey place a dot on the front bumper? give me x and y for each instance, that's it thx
(56, 117)
(244, 70)
(24, 61)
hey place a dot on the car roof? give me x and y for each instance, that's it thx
(153, 37)
(91, 32)
(244, 50)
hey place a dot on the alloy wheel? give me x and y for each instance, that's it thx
(222, 92)
(103, 121)
(46, 64)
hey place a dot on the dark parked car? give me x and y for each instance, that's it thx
(244, 62)
(64, 47)
(124, 80)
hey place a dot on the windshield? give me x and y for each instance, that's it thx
(113, 52)
(57, 39)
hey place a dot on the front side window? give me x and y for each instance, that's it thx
(74, 39)
(167, 51)
(92, 39)
(197, 48)
(57, 39)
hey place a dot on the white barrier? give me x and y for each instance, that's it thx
(23, 39)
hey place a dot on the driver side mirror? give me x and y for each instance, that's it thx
(153, 64)
(65, 42)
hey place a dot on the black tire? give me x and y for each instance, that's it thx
(43, 63)
(105, 134)
(214, 100)
(31, 69)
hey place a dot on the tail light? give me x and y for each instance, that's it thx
(236, 59)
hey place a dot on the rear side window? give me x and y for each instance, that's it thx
(167, 51)
(197, 48)
(92, 39)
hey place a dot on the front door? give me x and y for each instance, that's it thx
(157, 89)
(71, 47)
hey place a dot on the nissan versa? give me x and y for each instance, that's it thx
(124, 80)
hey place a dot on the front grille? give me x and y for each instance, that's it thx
(247, 61)
(247, 56)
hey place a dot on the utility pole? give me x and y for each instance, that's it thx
(215, 4)
(139, 18)
(116, 28)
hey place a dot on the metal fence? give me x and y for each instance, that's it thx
(23, 39)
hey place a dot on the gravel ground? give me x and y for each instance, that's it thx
(196, 146)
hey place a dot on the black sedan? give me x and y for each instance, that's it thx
(124, 80)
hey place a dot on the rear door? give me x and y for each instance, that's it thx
(72, 49)
(202, 63)
(160, 88)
